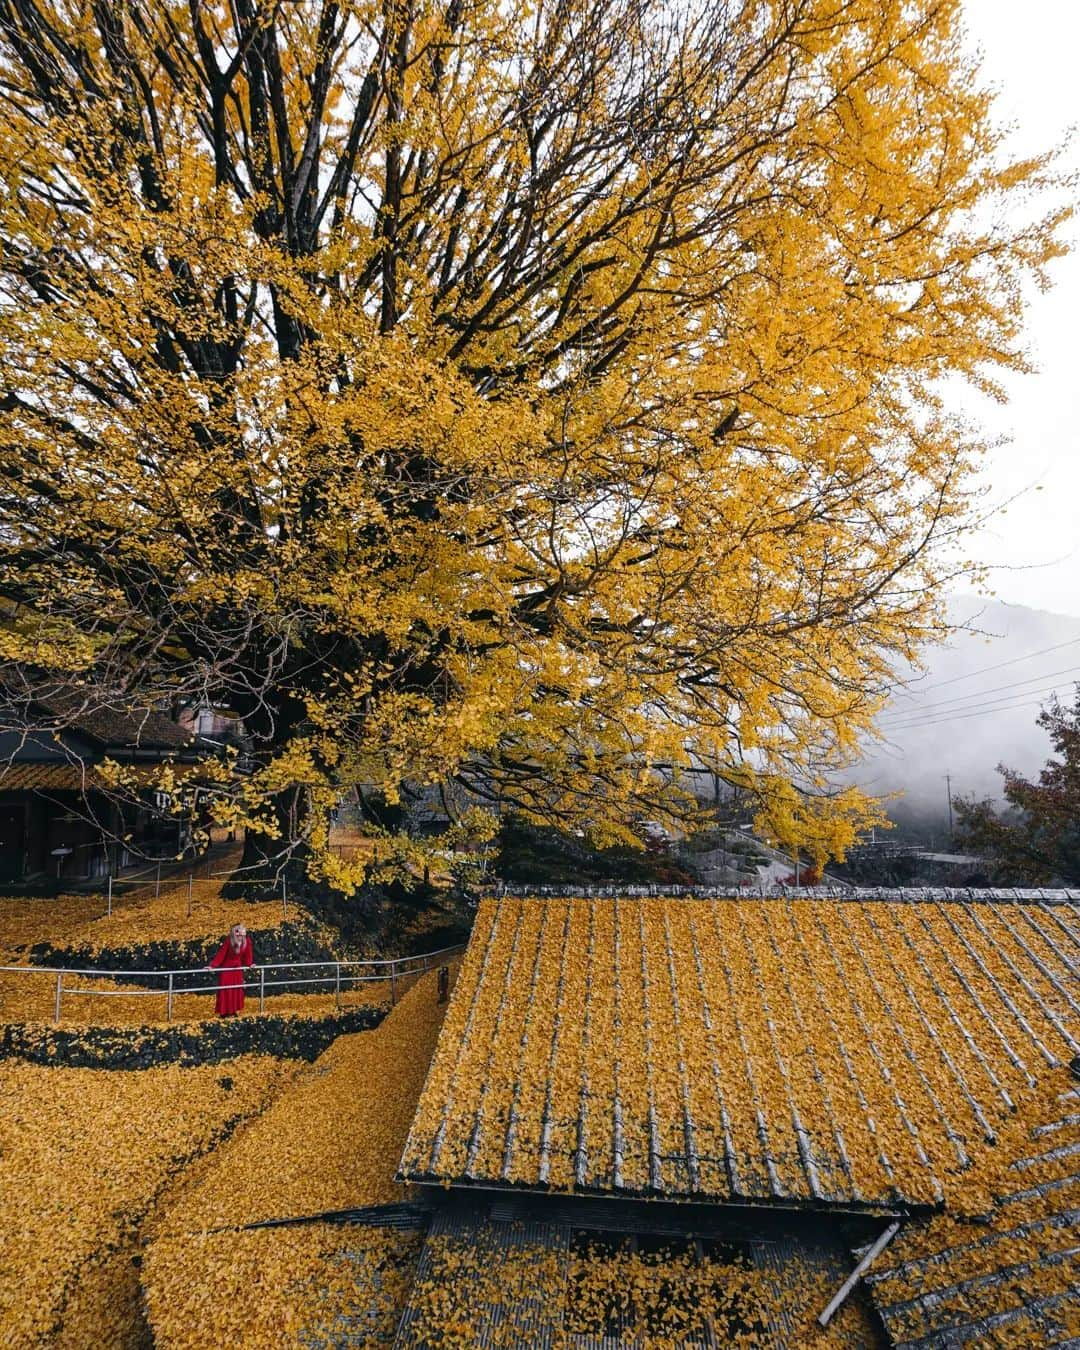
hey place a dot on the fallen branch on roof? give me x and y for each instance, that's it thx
(849, 1284)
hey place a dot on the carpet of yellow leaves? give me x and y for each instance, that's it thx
(84, 1156)
(807, 1050)
(331, 1142)
(30, 998)
(26, 920)
(76, 921)
(79, 921)
(315, 1285)
(169, 916)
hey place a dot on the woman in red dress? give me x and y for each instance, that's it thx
(233, 955)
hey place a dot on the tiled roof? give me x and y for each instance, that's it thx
(795, 1051)
(541, 1283)
(46, 777)
(68, 777)
(110, 725)
(1014, 1277)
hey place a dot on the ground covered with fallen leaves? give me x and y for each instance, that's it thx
(331, 1142)
(31, 998)
(142, 911)
(93, 1161)
(82, 922)
(85, 1155)
(145, 920)
(96, 1164)
(313, 1285)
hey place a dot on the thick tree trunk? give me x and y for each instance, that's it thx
(268, 859)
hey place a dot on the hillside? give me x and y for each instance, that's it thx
(973, 707)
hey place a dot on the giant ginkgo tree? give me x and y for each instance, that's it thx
(535, 400)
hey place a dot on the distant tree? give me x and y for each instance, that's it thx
(1036, 840)
(536, 398)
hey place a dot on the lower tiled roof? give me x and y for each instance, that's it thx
(44, 777)
(1013, 1277)
(68, 777)
(796, 1051)
(549, 1285)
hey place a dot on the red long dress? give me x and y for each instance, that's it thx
(230, 963)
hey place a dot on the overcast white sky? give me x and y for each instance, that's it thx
(1029, 50)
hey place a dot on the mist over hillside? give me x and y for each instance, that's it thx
(973, 708)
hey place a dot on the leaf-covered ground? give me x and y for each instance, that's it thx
(331, 1142)
(84, 1156)
(142, 912)
(94, 1163)
(91, 1159)
(142, 920)
(31, 998)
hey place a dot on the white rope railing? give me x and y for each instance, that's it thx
(340, 976)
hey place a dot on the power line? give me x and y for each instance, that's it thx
(981, 693)
(963, 716)
(986, 670)
(996, 705)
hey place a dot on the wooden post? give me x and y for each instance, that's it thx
(444, 983)
(337, 984)
(157, 881)
(849, 1284)
(108, 908)
(393, 985)
(262, 988)
(189, 895)
(168, 1009)
(59, 989)
(284, 904)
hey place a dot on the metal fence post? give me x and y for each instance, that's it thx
(262, 988)
(108, 908)
(393, 985)
(337, 984)
(189, 895)
(168, 1010)
(59, 990)
(284, 905)
(157, 881)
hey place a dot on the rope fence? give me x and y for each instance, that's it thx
(150, 884)
(260, 981)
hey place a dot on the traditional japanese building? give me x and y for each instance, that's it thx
(689, 1121)
(57, 818)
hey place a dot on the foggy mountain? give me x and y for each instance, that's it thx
(973, 708)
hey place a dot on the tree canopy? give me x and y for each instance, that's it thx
(1035, 840)
(535, 398)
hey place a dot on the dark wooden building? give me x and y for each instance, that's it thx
(57, 817)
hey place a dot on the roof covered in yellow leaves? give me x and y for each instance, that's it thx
(794, 1051)
(1013, 1276)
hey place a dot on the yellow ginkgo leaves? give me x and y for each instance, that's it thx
(84, 1156)
(801, 1050)
(331, 1142)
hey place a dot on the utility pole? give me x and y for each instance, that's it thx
(948, 794)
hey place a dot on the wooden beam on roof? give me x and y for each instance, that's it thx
(839, 1298)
